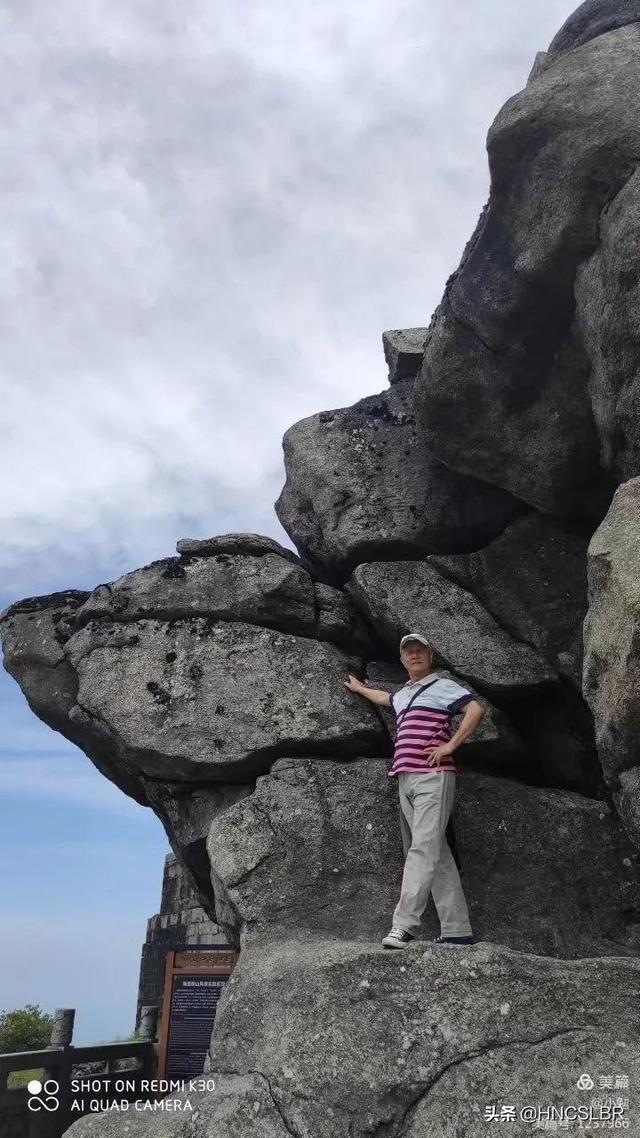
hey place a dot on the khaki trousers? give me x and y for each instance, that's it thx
(426, 801)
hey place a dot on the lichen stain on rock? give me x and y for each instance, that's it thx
(158, 692)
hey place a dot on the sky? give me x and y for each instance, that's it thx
(211, 212)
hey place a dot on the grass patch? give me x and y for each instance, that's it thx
(17, 1079)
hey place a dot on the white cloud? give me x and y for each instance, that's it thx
(210, 213)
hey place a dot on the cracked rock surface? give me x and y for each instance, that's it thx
(395, 1046)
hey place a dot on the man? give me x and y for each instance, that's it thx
(424, 766)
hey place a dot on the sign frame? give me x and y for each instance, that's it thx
(199, 961)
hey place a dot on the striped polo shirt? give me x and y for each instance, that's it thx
(427, 722)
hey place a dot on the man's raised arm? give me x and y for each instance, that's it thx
(374, 694)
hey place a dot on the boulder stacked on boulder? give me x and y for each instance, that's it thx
(462, 500)
(360, 486)
(528, 374)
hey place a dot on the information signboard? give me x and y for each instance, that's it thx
(194, 980)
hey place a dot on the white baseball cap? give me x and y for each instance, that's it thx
(416, 636)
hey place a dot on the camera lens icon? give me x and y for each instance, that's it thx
(43, 1096)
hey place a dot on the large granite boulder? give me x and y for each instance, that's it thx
(546, 871)
(360, 487)
(231, 578)
(268, 590)
(316, 851)
(355, 1040)
(338, 620)
(242, 544)
(627, 802)
(612, 650)
(198, 699)
(186, 812)
(401, 596)
(161, 674)
(33, 653)
(532, 579)
(503, 390)
(608, 313)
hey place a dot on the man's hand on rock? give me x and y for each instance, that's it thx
(353, 683)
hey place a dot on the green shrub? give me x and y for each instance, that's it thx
(25, 1029)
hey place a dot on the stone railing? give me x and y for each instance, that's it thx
(73, 1081)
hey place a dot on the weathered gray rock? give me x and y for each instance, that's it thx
(360, 487)
(189, 700)
(557, 728)
(353, 1039)
(503, 391)
(401, 596)
(608, 313)
(210, 686)
(236, 544)
(33, 652)
(539, 64)
(140, 675)
(533, 579)
(186, 812)
(612, 653)
(237, 581)
(403, 351)
(32, 642)
(612, 659)
(627, 802)
(316, 851)
(242, 1106)
(264, 589)
(546, 871)
(341, 622)
(592, 19)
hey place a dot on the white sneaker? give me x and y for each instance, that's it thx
(397, 938)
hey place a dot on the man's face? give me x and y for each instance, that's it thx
(415, 657)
